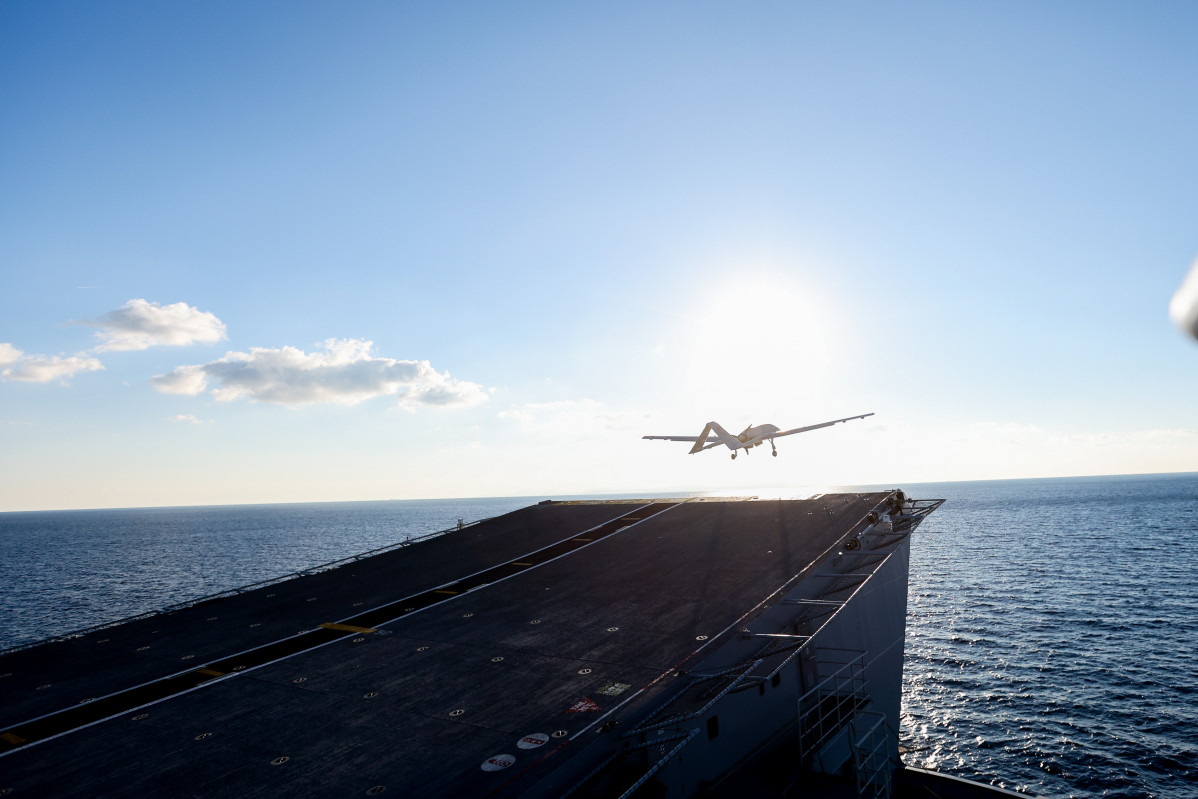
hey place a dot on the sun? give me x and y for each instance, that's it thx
(763, 324)
(760, 341)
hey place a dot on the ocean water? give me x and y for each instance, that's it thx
(1052, 635)
(65, 570)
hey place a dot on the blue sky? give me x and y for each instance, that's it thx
(593, 222)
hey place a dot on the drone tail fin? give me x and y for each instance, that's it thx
(701, 442)
(726, 438)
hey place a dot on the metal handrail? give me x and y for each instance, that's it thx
(872, 775)
(656, 766)
(680, 717)
(590, 774)
(323, 567)
(854, 681)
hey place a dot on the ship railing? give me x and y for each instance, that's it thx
(230, 592)
(590, 775)
(914, 511)
(871, 763)
(703, 689)
(829, 706)
(682, 738)
(695, 699)
(657, 766)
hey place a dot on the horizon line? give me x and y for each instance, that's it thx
(606, 493)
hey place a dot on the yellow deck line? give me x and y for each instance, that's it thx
(348, 628)
(444, 591)
(587, 540)
(210, 672)
(15, 740)
(518, 563)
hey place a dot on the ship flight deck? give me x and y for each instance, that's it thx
(513, 657)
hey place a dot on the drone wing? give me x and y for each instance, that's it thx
(701, 442)
(781, 433)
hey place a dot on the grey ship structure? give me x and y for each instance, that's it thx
(636, 648)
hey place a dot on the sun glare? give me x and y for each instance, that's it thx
(758, 342)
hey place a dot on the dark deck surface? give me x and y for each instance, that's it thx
(484, 637)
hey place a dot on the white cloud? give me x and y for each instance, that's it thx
(344, 372)
(139, 324)
(184, 417)
(189, 380)
(42, 368)
(9, 354)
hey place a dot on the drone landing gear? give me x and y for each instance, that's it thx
(733, 456)
(772, 447)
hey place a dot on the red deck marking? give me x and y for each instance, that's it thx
(533, 741)
(498, 762)
(583, 705)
